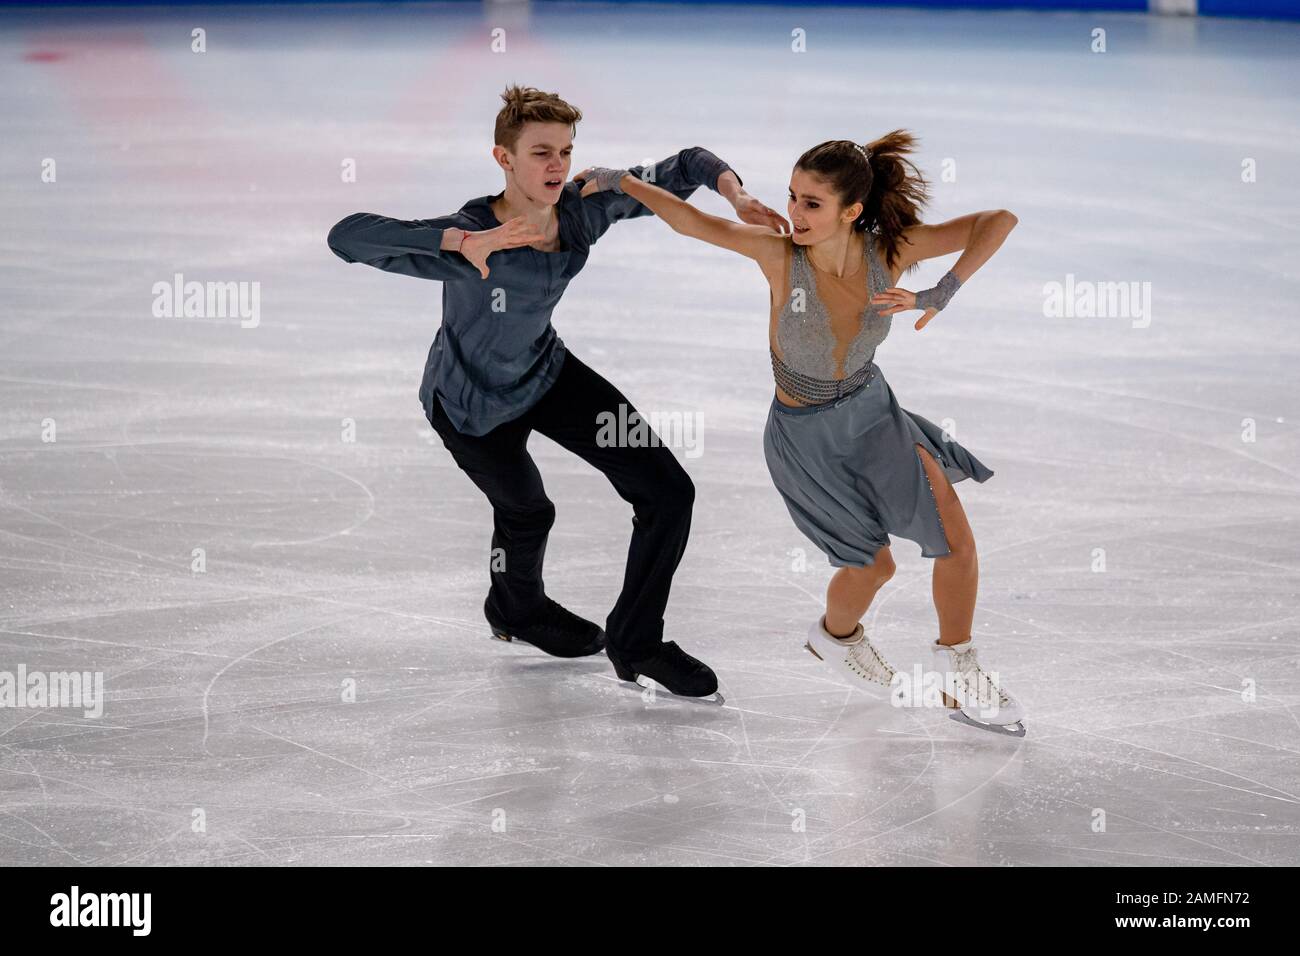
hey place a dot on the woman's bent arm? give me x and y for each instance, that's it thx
(978, 235)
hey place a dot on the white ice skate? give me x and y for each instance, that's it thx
(982, 702)
(853, 657)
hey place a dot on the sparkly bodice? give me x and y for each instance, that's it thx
(807, 367)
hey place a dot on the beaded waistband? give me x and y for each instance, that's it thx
(817, 391)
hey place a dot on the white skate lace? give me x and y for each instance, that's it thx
(975, 680)
(865, 661)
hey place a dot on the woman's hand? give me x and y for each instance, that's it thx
(751, 210)
(900, 300)
(477, 246)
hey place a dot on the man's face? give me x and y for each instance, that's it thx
(541, 160)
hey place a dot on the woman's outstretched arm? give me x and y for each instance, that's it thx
(764, 244)
(977, 235)
(680, 174)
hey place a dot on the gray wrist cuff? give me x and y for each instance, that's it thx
(939, 296)
(607, 179)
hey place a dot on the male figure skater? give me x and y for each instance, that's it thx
(497, 371)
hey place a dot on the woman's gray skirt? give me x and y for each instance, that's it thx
(851, 476)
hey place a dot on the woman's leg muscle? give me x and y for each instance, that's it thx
(851, 591)
(956, 574)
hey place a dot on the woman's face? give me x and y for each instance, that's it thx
(815, 212)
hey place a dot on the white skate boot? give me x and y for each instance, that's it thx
(853, 657)
(982, 702)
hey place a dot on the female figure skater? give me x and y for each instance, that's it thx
(852, 466)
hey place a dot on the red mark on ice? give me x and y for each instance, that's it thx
(45, 56)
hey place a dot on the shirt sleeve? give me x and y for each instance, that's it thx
(681, 174)
(408, 247)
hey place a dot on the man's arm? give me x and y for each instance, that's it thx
(417, 247)
(680, 174)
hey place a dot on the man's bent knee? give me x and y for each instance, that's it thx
(673, 490)
(534, 517)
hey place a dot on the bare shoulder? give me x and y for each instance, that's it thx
(770, 250)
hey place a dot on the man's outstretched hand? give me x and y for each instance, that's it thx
(477, 246)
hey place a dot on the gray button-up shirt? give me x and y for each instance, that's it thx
(496, 352)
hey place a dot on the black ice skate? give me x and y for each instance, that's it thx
(554, 629)
(672, 668)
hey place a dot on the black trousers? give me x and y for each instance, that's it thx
(649, 478)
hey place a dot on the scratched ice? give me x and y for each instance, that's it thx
(1162, 447)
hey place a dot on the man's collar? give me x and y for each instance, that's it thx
(480, 209)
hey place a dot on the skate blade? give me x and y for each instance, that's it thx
(1002, 730)
(713, 700)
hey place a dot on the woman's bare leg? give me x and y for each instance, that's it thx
(956, 575)
(851, 591)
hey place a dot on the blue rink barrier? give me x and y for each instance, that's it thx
(1269, 9)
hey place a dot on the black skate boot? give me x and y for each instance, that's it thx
(672, 667)
(554, 629)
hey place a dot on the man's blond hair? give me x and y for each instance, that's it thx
(525, 104)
